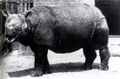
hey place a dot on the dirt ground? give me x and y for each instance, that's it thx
(63, 66)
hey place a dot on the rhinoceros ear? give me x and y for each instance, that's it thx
(28, 13)
(5, 13)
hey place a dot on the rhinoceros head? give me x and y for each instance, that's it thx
(14, 25)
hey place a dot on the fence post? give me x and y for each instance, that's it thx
(25, 6)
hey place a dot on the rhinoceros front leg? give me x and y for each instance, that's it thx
(41, 62)
(104, 55)
(90, 56)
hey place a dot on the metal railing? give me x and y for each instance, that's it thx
(3, 47)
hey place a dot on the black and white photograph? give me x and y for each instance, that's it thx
(59, 39)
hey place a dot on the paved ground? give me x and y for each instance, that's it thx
(63, 65)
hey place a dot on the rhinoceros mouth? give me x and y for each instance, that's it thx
(11, 38)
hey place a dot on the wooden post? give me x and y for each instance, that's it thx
(12, 7)
(20, 6)
(25, 6)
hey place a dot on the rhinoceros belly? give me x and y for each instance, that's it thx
(65, 48)
(67, 44)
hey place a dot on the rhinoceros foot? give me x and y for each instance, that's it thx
(104, 67)
(86, 67)
(36, 72)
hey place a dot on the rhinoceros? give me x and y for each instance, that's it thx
(61, 29)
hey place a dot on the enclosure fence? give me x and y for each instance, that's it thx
(16, 6)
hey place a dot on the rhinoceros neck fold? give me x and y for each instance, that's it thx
(26, 36)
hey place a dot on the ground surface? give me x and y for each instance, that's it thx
(63, 66)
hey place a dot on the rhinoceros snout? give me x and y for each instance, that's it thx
(10, 32)
(10, 36)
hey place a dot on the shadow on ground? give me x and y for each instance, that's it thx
(55, 68)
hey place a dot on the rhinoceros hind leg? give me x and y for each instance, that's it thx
(90, 56)
(41, 62)
(104, 55)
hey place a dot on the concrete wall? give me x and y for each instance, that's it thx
(62, 2)
(111, 9)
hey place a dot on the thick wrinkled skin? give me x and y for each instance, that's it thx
(65, 29)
